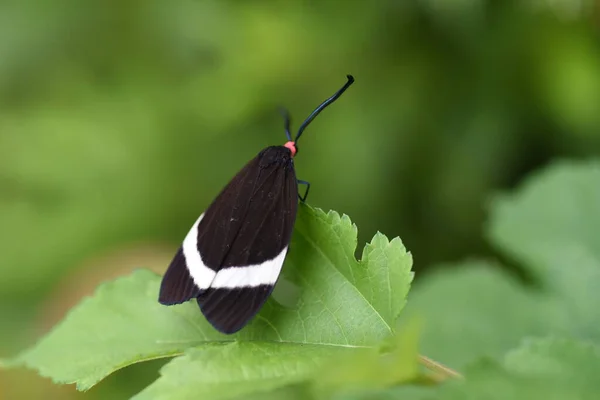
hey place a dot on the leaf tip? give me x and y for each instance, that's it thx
(382, 242)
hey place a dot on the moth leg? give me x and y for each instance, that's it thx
(301, 182)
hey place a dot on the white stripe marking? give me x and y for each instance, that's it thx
(265, 273)
(251, 275)
(201, 274)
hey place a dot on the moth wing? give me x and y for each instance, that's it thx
(232, 257)
(177, 285)
(252, 267)
(194, 266)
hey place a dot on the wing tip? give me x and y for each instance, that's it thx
(177, 285)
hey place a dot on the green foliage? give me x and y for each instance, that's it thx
(236, 368)
(553, 228)
(472, 310)
(475, 309)
(339, 339)
(555, 211)
(539, 369)
(346, 307)
(120, 122)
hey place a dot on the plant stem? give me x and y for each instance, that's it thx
(441, 370)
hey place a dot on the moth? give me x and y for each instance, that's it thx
(232, 257)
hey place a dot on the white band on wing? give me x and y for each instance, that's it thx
(250, 276)
(265, 273)
(200, 273)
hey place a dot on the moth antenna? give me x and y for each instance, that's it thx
(324, 104)
(286, 122)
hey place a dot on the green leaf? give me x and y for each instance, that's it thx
(474, 309)
(540, 368)
(552, 225)
(229, 370)
(344, 305)
(351, 303)
(553, 209)
(488, 380)
(120, 325)
(394, 363)
(573, 363)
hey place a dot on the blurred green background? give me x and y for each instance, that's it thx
(121, 120)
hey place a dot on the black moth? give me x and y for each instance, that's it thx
(231, 258)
